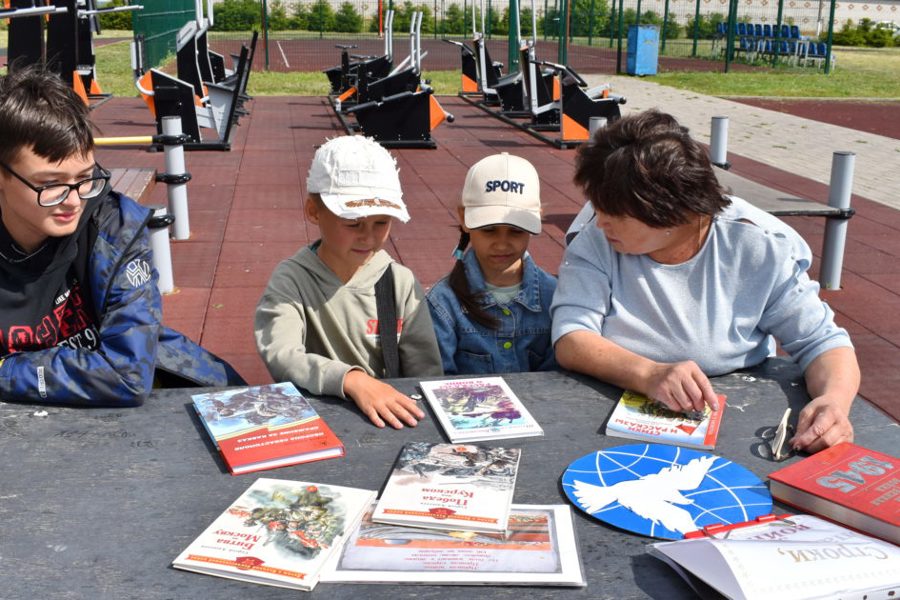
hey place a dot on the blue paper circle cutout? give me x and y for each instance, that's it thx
(675, 489)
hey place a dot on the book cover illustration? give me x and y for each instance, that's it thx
(664, 491)
(790, 558)
(847, 483)
(638, 417)
(265, 426)
(539, 548)
(277, 532)
(450, 486)
(478, 409)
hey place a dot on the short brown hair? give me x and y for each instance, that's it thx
(41, 113)
(646, 166)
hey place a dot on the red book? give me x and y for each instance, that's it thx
(848, 484)
(264, 427)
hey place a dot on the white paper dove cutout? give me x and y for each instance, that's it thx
(653, 496)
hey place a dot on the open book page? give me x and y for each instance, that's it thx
(800, 557)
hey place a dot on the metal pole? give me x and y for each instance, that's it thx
(778, 21)
(638, 16)
(718, 142)
(619, 48)
(513, 38)
(159, 246)
(696, 29)
(612, 22)
(596, 123)
(563, 49)
(840, 190)
(265, 28)
(177, 192)
(732, 26)
(591, 25)
(830, 37)
(665, 27)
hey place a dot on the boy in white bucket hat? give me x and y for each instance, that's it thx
(491, 313)
(317, 323)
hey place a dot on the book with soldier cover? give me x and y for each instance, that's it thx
(277, 532)
(538, 548)
(451, 487)
(264, 427)
(479, 409)
(637, 417)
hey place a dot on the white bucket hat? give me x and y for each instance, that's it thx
(356, 177)
(503, 189)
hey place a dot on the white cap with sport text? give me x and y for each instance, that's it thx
(356, 177)
(503, 189)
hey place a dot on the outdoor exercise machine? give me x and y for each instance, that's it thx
(554, 97)
(344, 76)
(68, 49)
(399, 110)
(204, 94)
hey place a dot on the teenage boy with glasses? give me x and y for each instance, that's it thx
(79, 308)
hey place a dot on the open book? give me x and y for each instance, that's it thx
(787, 558)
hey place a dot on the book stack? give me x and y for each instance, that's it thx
(446, 516)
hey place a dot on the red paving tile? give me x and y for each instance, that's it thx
(246, 217)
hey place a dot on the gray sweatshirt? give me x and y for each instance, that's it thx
(718, 308)
(311, 328)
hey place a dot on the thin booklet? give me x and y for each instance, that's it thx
(788, 558)
(637, 417)
(278, 533)
(265, 426)
(450, 486)
(539, 548)
(479, 409)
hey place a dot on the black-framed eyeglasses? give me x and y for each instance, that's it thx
(56, 193)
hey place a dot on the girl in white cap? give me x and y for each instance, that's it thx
(491, 313)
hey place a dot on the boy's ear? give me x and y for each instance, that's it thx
(311, 210)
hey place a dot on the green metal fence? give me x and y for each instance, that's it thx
(158, 22)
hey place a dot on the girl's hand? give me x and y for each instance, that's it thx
(681, 387)
(380, 401)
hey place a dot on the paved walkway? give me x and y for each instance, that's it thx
(794, 144)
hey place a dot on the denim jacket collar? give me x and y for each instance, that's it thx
(529, 295)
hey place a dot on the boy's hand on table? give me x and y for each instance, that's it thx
(381, 402)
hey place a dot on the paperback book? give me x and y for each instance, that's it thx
(278, 533)
(539, 548)
(637, 417)
(788, 558)
(479, 409)
(849, 484)
(264, 427)
(450, 487)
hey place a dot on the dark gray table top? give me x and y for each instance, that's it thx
(96, 503)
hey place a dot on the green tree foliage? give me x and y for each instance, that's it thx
(865, 33)
(347, 20)
(454, 21)
(300, 18)
(673, 29)
(524, 22)
(118, 20)
(582, 24)
(277, 17)
(403, 15)
(706, 26)
(321, 16)
(236, 15)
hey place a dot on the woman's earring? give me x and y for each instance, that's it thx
(668, 232)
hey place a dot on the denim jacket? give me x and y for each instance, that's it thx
(521, 341)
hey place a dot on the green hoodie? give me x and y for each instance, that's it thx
(311, 329)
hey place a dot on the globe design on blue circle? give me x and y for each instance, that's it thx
(675, 489)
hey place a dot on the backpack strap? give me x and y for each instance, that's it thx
(386, 306)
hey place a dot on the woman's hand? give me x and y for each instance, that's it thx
(823, 423)
(681, 387)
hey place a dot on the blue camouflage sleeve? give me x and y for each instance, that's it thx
(120, 371)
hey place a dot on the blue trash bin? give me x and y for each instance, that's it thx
(643, 49)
